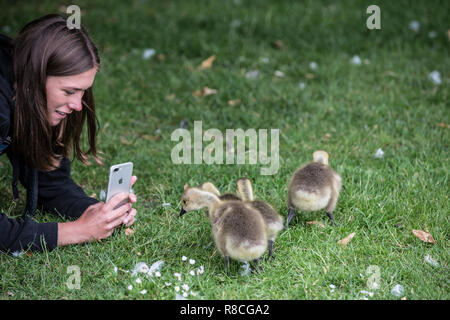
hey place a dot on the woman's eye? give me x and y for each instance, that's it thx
(69, 92)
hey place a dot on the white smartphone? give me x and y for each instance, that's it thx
(119, 179)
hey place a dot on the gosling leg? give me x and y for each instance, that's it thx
(331, 216)
(290, 216)
(226, 261)
(257, 267)
(270, 248)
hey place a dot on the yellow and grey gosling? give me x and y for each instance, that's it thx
(272, 220)
(238, 229)
(313, 187)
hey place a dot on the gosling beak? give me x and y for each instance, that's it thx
(182, 212)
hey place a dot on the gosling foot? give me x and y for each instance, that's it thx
(291, 214)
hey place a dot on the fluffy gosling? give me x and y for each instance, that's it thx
(272, 220)
(313, 187)
(238, 229)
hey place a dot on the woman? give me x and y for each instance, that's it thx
(46, 77)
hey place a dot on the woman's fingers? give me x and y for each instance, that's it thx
(130, 218)
(133, 180)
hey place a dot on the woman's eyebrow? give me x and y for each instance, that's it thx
(75, 89)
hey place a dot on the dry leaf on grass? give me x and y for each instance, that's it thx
(206, 64)
(129, 232)
(125, 141)
(204, 92)
(424, 236)
(233, 103)
(148, 137)
(278, 44)
(343, 242)
(320, 224)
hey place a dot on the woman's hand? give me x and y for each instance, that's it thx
(97, 222)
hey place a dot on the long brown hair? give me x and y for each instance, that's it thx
(47, 47)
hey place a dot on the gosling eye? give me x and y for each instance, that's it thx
(184, 201)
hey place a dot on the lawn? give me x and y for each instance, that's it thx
(264, 51)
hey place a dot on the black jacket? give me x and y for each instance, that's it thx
(54, 190)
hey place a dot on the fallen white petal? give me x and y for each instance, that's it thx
(138, 280)
(414, 26)
(253, 74)
(235, 23)
(435, 76)
(397, 290)
(356, 60)
(179, 297)
(432, 34)
(246, 267)
(144, 291)
(279, 74)
(148, 53)
(302, 85)
(379, 154)
(141, 267)
(17, 253)
(184, 258)
(313, 65)
(130, 287)
(431, 261)
(191, 261)
(156, 266)
(166, 204)
(367, 292)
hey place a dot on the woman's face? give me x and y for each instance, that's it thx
(64, 94)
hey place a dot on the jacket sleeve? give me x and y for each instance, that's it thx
(17, 235)
(58, 193)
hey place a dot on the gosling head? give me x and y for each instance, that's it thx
(195, 199)
(210, 187)
(320, 156)
(244, 189)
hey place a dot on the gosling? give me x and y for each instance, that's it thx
(238, 229)
(313, 187)
(272, 220)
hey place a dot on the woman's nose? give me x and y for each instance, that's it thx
(76, 105)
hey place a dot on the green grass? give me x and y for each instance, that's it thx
(388, 103)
